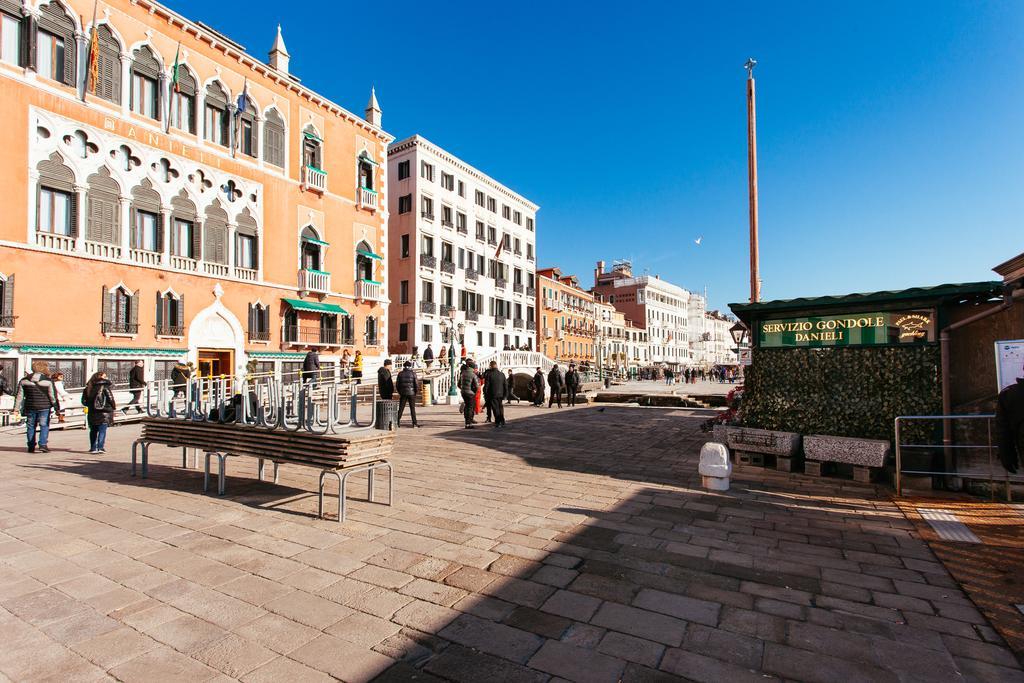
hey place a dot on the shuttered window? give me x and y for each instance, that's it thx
(120, 312)
(10, 37)
(146, 71)
(273, 139)
(147, 222)
(215, 117)
(55, 44)
(215, 235)
(183, 101)
(248, 133)
(56, 210)
(108, 61)
(186, 232)
(259, 322)
(7, 302)
(246, 242)
(103, 209)
(170, 315)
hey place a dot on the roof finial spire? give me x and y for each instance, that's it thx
(373, 113)
(279, 53)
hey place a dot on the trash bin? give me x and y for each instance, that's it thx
(607, 382)
(387, 415)
(425, 391)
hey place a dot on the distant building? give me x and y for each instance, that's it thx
(621, 346)
(446, 221)
(567, 317)
(657, 306)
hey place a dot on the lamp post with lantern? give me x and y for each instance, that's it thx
(450, 333)
(739, 334)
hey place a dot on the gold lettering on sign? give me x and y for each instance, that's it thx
(108, 124)
(131, 131)
(913, 326)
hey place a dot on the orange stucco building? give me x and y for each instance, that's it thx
(218, 212)
(567, 318)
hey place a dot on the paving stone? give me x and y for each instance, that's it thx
(698, 667)
(284, 669)
(690, 609)
(308, 609)
(277, 633)
(518, 591)
(497, 639)
(465, 665)
(425, 616)
(114, 647)
(983, 672)
(816, 667)
(470, 579)
(554, 576)
(235, 656)
(632, 649)
(974, 649)
(585, 636)
(363, 629)
(187, 634)
(162, 664)
(640, 623)
(743, 651)
(571, 605)
(254, 589)
(410, 645)
(381, 576)
(535, 621)
(575, 664)
(342, 659)
(432, 591)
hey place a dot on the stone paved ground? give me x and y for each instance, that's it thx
(573, 545)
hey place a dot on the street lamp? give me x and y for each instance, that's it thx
(739, 335)
(452, 333)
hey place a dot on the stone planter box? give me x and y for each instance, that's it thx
(751, 445)
(867, 456)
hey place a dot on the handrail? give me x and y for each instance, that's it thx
(1007, 479)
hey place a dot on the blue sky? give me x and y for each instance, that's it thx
(891, 151)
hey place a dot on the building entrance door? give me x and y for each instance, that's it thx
(216, 362)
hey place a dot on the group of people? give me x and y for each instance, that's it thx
(718, 373)
(570, 382)
(351, 366)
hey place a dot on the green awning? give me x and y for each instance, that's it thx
(314, 240)
(372, 282)
(298, 355)
(311, 136)
(369, 254)
(368, 160)
(105, 350)
(314, 306)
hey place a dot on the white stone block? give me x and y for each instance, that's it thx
(715, 467)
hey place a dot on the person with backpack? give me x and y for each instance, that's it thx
(407, 385)
(35, 398)
(98, 399)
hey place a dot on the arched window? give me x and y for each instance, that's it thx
(312, 154)
(170, 314)
(146, 83)
(185, 232)
(104, 208)
(259, 322)
(215, 117)
(274, 139)
(248, 135)
(246, 243)
(120, 311)
(146, 221)
(108, 60)
(215, 234)
(312, 251)
(371, 331)
(364, 262)
(365, 172)
(56, 210)
(183, 100)
(55, 44)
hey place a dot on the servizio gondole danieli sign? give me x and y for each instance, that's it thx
(849, 329)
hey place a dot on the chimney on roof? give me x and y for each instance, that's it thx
(372, 114)
(279, 53)
(599, 271)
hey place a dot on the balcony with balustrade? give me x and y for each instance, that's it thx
(531, 324)
(314, 281)
(311, 335)
(259, 335)
(500, 321)
(246, 274)
(368, 199)
(118, 327)
(102, 249)
(428, 307)
(517, 287)
(531, 292)
(314, 179)
(472, 316)
(500, 282)
(163, 330)
(185, 263)
(428, 261)
(448, 267)
(472, 275)
(7, 322)
(518, 323)
(447, 310)
(55, 241)
(145, 257)
(369, 290)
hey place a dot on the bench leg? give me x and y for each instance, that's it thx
(135, 448)
(275, 473)
(184, 457)
(369, 485)
(145, 460)
(223, 457)
(259, 469)
(206, 473)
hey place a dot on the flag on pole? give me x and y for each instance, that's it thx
(94, 52)
(175, 77)
(501, 245)
(174, 103)
(240, 106)
(243, 99)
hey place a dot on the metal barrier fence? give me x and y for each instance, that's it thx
(949, 449)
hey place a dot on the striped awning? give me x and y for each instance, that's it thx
(106, 350)
(369, 254)
(315, 306)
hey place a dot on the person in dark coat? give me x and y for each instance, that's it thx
(538, 388)
(495, 389)
(557, 383)
(511, 393)
(311, 366)
(1010, 425)
(468, 385)
(572, 383)
(98, 399)
(34, 399)
(407, 385)
(385, 383)
(179, 378)
(136, 383)
(428, 356)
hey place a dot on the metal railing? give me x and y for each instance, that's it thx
(428, 261)
(949, 450)
(310, 335)
(169, 330)
(109, 327)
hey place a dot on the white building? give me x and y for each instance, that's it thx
(720, 348)
(446, 219)
(621, 347)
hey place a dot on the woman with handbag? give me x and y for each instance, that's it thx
(63, 397)
(98, 399)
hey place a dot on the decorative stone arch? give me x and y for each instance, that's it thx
(216, 327)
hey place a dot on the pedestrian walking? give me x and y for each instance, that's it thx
(385, 383)
(136, 382)
(538, 388)
(357, 367)
(180, 374)
(511, 394)
(442, 357)
(63, 397)
(346, 363)
(98, 399)
(468, 386)
(407, 385)
(1010, 425)
(573, 383)
(311, 367)
(557, 383)
(34, 399)
(495, 391)
(428, 356)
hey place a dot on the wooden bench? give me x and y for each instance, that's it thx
(338, 454)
